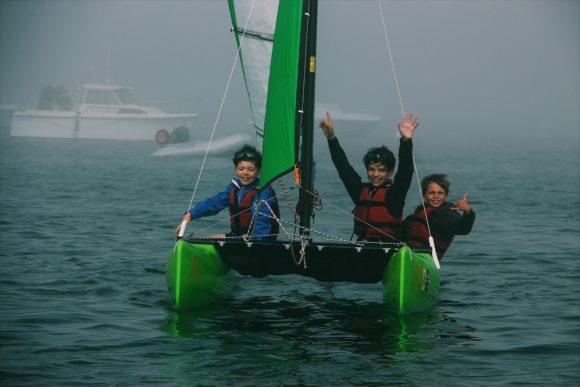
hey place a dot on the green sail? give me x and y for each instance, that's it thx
(280, 148)
(268, 36)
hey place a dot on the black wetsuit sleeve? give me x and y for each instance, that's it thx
(402, 181)
(351, 180)
(465, 224)
(447, 223)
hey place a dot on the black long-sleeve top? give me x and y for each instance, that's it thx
(353, 183)
(446, 223)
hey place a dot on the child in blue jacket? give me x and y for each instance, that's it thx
(249, 213)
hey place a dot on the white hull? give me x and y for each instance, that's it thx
(348, 122)
(99, 125)
(220, 147)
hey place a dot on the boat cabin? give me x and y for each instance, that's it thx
(103, 97)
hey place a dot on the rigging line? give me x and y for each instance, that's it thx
(272, 215)
(221, 107)
(287, 196)
(354, 217)
(256, 214)
(391, 56)
(236, 214)
(330, 237)
(296, 237)
(431, 242)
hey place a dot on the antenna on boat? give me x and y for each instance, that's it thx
(108, 67)
(92, 73)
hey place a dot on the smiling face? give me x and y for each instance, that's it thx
(378, 174)
(246, 172)
(435, 195)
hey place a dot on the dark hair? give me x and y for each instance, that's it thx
(380, 155)
(437, 178)
(248, 153)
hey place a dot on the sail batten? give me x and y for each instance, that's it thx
(254, 34)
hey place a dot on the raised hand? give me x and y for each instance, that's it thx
(408, 126)
(462, 205)
(187, 218)
(326, 126)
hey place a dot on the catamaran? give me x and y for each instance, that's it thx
(277, 48)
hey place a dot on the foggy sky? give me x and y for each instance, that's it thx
(472, 70)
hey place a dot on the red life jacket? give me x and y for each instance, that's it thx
(372, 210)
(241, 213)
(418, 234)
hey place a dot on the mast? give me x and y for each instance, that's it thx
(308, 69)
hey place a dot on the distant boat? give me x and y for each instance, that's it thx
(353, 123)
(222, 146)
(106, 112)
(6, 112)
(349, 122)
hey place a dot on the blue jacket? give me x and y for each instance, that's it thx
(216, 203)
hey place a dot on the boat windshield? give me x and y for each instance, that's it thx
(125, 96)
(100, 97)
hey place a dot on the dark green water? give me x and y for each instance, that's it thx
(86, 227)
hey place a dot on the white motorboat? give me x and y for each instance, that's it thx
(107, 112)
(224, 146)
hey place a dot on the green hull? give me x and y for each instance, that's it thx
(411, 282)
(195, 276)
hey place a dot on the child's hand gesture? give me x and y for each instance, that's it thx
(408, 127)
(462, 205)
(327, 128)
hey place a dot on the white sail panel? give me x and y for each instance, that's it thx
(254, 22)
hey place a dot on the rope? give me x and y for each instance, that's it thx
(391, 56)
(303, 246)
(221, 107)
(313, 198)
(431, 241)
(286, 194)
(355, 217)
(272, 216)
(255, 205)
(327, 237)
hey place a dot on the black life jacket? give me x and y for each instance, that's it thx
(417, 234)
(373, 210)
(241, 213)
